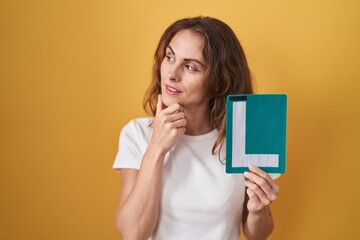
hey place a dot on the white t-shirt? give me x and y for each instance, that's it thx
(198, 200)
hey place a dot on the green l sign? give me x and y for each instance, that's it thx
(256, 132)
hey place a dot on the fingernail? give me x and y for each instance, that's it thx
(252, 167)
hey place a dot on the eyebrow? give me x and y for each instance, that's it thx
(187, 59)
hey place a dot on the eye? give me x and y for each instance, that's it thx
(190, 68)
(170, 58)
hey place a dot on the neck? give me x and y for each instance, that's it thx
(197, 122)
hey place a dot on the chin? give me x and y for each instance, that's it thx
(167, 101)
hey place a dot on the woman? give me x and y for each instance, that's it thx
(173, 184)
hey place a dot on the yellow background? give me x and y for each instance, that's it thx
(72, 73)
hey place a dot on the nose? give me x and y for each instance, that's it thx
(174, 73)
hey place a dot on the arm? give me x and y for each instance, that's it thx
(137, 212)
(261, 191)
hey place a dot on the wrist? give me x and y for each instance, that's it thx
(260, 213)
(155, 152)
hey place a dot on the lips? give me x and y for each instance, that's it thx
(171, 90)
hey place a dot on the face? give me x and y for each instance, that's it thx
(183, 71)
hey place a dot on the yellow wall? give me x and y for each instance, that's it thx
(72, 73)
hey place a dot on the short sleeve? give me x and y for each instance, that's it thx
(133, 142)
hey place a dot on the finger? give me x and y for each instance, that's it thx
(175, 116)
(253, 196)
(254, 202)
(266, 176)
(261, 182)
(174, 108)
(258, 191)
(159, 105)
(181, 130)
(179, 123)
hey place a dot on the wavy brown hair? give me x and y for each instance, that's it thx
(227, 68)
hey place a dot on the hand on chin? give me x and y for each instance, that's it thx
(167, 101)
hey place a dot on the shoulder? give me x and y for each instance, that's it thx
(134, 138)
(142, 122)
(137, 124)
(138, 127)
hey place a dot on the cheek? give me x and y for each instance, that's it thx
(200, 87)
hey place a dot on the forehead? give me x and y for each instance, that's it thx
(188, 44)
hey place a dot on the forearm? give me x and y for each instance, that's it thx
(259, 225)
(137, 217)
